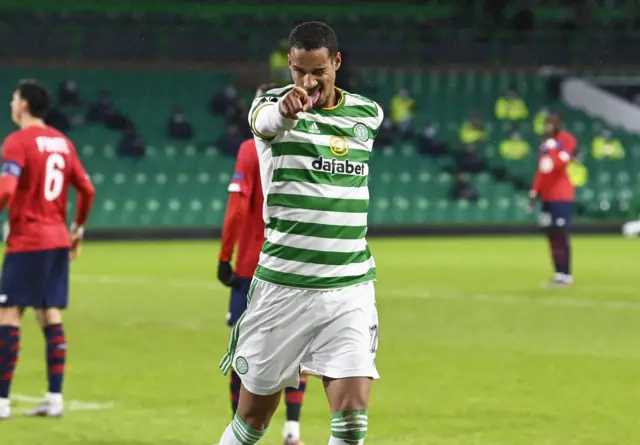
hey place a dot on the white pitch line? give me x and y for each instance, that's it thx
(72, 405)
(503, 296)
(516, 299)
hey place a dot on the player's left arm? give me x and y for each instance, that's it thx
(13, 160)
(80, 181)
(240, 190)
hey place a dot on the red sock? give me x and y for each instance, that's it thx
(294, 398)
(9, 348)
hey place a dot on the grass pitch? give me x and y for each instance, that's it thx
(472, 350)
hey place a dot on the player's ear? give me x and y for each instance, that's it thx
(337, 60)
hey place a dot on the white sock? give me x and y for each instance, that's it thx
(55, 398)
(4, 402)
(239, 433)
(334, 441)
(291, 429)
(228, 438)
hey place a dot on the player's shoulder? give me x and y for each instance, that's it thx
(14, 137)
(248, 149)
(566, 137)
(278, 92)
(366, 107)
(272, 95)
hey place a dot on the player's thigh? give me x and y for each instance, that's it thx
(23, 279)
(347, 343)
(555, 215)
(271, 337)
(238, 301)
(56, 291)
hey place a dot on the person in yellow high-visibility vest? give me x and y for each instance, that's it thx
(472, 130)
(578, 173)
(279, 64)
(606, 146)
(539, 121)
(511, 107)
(403, 109)
(514, 147)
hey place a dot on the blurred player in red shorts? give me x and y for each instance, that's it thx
(38, 165)
(552, 185)
(244, 225)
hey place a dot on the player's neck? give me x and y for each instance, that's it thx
(333, 98)
(30, 121)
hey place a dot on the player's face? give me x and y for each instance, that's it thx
(552, 125)
(17, 106)
(315, 71)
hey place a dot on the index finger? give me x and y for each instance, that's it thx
(300, 93)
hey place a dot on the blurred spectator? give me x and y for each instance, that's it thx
(462, 190)
(222, 100)
(68, 93)
(514, 147)
(511, 106)
(230, 142)
(472, 130)
(403, 110)
(106, 112)
(469, 160)
(131, 145)
(578, 173)
(230, 105)
(539, 121)
(178, 127)
(386, 133)
(99, 111)
(523, 19)
(279, 64)
(57, 119)
(429, 144)
(605, 146)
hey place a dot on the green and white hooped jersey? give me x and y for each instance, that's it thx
(314, 179)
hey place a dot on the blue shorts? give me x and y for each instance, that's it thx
(555, 214)
(238, 301)
(38, 279)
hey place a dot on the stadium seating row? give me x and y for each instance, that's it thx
(178, 183)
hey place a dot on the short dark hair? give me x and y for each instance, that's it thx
(36, 95)
(314, 35)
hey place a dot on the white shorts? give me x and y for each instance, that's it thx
(287, 331)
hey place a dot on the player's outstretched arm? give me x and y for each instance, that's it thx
(271, 119)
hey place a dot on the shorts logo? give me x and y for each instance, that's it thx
(338, 146)
(361, 132)
(545, 220)
(3, 299)
(242, 367)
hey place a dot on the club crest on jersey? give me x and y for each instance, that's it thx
(333, 166)
(242, 366)
(361, 132)
(338, 146)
